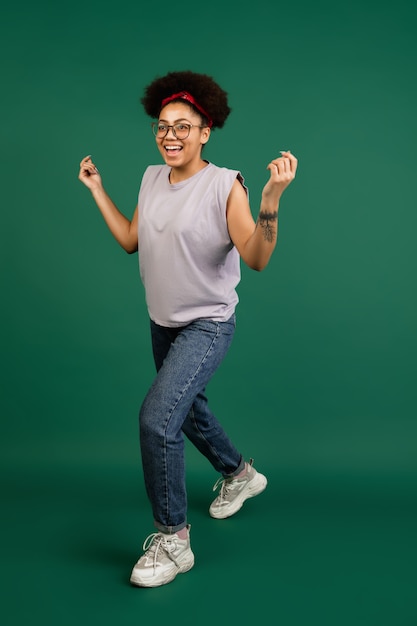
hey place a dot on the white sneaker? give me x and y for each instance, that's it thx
(165, 557)
(234, 492)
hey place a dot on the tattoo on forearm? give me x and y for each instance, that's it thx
(268, 223)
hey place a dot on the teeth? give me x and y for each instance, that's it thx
(172, 147)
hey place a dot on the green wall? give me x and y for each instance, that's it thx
(320, 383)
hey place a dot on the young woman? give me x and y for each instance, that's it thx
(191, 226)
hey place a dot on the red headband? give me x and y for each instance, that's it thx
(184, 95)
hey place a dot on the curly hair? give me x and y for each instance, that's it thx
(206, 92)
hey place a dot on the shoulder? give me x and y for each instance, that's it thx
(227, 175)
(155, 170)
(152, 174)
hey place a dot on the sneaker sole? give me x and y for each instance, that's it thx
(254, 488)
(168, 577)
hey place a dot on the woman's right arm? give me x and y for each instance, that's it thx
(123, 230)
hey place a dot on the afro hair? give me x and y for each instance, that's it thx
(209, 95)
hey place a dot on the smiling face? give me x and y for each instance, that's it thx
(183, 155)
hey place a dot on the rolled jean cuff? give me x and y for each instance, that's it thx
(239, 469)
(169, 530)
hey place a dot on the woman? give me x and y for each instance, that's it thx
(191, 226)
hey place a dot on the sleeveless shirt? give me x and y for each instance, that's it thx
(188, 263)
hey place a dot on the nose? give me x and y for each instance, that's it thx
(170, 130)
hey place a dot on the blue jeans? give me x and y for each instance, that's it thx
(185, 358)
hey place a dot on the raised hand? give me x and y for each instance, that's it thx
(282, 172)
(89, 174)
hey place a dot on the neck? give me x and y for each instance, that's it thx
(178, 174)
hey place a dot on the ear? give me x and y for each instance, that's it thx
(205, 135)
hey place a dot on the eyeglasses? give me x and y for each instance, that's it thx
(179, 130)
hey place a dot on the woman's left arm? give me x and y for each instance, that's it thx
(255, 242)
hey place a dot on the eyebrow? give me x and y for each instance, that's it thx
(181, 119)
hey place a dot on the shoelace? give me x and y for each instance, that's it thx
(156, 541)
(226, 486)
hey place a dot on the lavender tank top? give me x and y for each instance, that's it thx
(188, 263)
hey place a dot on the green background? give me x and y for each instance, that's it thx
(319, 386)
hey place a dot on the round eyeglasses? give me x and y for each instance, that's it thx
(181, 130)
